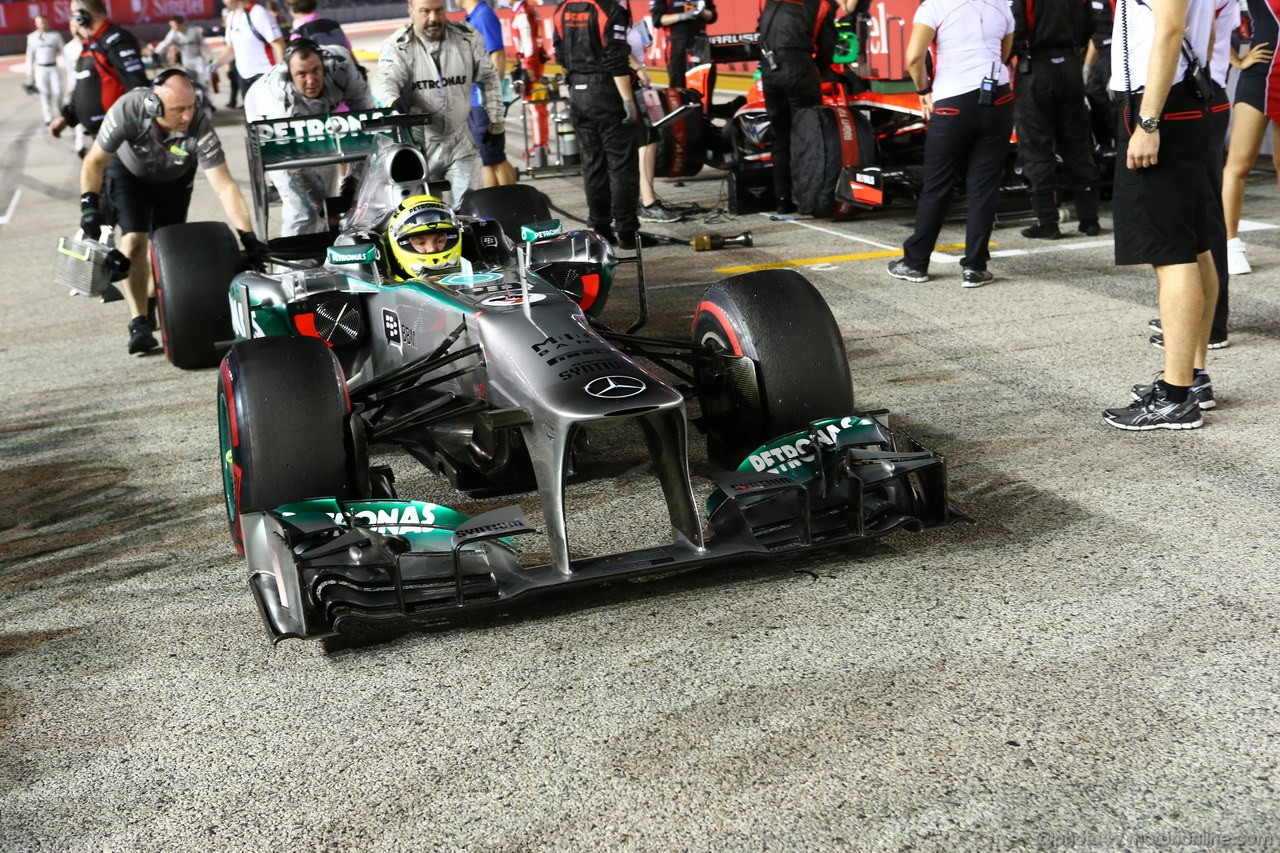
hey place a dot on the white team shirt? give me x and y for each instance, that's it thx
(1226, 21)
(43, 49)
(969, 33)
(1137, 18)
(253, 56)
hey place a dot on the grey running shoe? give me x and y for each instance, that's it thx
(1156, 411)
(900, 269)
(977, 278)
(1201, 390)
(658, 212)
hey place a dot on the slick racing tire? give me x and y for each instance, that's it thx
(284, 427)
(825, 141)
(512, 206)
(193, 265)
(779, 323)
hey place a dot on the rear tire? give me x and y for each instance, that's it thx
(512, 206)
(283, 421)
(779, 321)
(193, 265)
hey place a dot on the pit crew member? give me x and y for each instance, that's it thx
(428, 66)
(159, 134)
(313, 79)
(254, 41)
(110, 64)
(44, 46)
(184, 45)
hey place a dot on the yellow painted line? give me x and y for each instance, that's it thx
(828, 259)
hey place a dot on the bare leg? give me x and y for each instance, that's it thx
(1209, 290)
(136, 286)
(1247, 130)
(506, 173)
(648, 167)
(1182, 313)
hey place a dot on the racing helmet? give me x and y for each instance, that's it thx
(419, 217)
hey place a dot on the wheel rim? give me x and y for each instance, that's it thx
(227, 460)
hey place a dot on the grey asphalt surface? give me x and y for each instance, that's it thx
(1093, 665)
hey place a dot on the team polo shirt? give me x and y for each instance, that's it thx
(1225, 22)
(253, 55)
(1136, 17)
(146, 151)
(485, 21)
(969, 34)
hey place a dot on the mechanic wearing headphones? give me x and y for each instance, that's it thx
(796, 37)
(423, 238)
(160, 133)
(685, 21)
(109, 65)
(313, 79)
(428, 66)
(591, 44)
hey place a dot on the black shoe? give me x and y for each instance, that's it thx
(1154, 325)
(1090, 228)
(901, 269)
(606, 233)
(627, 240)
(141, 341)
(976, 278)
(1156, 411)
(111, 294)
(1201, 391)
(1157, 340)
(786, 206)
(1047, 231)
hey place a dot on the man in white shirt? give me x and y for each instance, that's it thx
(184, 45)
(254, 41)
(43, 48)
(1163, 198)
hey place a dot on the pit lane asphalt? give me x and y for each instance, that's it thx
(1092, 664)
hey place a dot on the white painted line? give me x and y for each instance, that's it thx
(1250, 225)
(13, 203)
(841, 234)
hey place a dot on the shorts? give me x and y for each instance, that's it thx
(143, 206)
(1257, 88)
(492, 146)
(1163, 214)
(646, 134)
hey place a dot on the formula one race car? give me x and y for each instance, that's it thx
(489, 372)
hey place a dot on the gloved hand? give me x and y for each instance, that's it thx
(691, 15)
(91, 219)
(399, 105)
(118, 264)
(256, 250)
(632, 114)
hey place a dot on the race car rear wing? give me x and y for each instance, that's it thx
(746, 47)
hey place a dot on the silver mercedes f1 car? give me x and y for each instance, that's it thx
(490, 374)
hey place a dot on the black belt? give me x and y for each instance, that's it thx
(46, 64)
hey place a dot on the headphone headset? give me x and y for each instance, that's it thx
(81, 17)
(153, 107)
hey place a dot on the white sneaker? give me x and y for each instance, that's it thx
(1237, 263)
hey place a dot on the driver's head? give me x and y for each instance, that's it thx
(423, 237)
(306, 67)
(179, 99)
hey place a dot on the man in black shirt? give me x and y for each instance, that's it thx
(797, 37)
(110, 64)
(1051, 116)
(685, 21)
(591, 44)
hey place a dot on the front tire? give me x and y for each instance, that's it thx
(193, 265)
(283, 419)
(779, 321)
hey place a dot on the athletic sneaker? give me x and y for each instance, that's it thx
(141, 341)
(1156, 411)
(658, 212)
(1157, 340)
(1237, 263)
(976, 278)
(1201, 391)
(900, 269)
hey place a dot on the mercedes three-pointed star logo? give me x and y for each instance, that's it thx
(615, 387)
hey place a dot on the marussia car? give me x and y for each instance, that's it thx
(489, 375)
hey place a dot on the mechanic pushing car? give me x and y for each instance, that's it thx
(160, 132)
(428, 67)
(423, 238)
(313, 79)
(591, 44)
(795, 39)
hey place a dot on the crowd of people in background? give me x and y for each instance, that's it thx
(1072, 76)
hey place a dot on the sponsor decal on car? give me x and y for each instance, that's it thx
(360, 253)
(589, 367)
(509, 299)
(458, 279)
(540, 230)
(391, 328)
(615, 387)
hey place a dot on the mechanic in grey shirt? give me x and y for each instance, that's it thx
(159, 132)
(312, 80)
(429, 66)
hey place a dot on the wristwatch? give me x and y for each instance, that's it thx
(1149, 123)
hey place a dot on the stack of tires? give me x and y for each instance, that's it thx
(827, 144)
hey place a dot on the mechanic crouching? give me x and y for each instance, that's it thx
(428, 67)
(312, 80)
(159, 132)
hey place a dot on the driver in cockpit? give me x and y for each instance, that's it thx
(423, 238)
